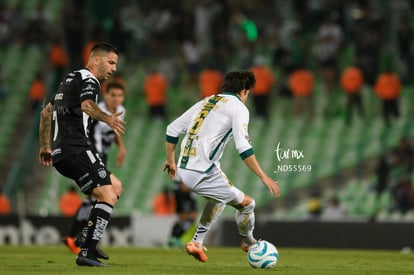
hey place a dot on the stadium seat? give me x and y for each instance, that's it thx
(409, 216)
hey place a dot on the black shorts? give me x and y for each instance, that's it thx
(86, 169)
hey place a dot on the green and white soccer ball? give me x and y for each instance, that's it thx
(263, 254)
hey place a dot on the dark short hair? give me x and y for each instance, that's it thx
(115, 85)
(104, 47)
(236, 81)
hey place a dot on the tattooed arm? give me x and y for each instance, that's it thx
(92, 109)
(45, 156)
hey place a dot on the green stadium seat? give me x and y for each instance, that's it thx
(369, 205)
(383, 216)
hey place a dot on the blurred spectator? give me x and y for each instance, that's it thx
(222, 46)
(162, 21)
(293, 41)
(368, 39)
(382, 171)
(169, 67)
(334, 211)
(118, 34)
(315, 11)
(405, 156)
(205, 13)
(401, 194)
(210, 81)
(18, 22)
(186, 210)
(301, 84)
(351, 82)
(155, 88)
(38, 27)
(37, 91)
(314, 209)
(272, 33)
(282, 59)
(263, 89)
(74, 31)
(69, 202)
(246, 39)
(329, 41)
(58, 58)
(191, 53)
(136, 26)
(405, 48)
(164, 203)
(5, 208)
(388, 88)
(6, 15)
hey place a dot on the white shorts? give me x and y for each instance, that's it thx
(212, 185)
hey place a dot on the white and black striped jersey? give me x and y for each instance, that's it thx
(102, 135)
(208, 125)
(71, 126)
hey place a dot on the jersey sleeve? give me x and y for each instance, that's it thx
(179, 126)
(90, 86)
(240, 124)
(89, 90)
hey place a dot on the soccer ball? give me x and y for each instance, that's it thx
(262, 254)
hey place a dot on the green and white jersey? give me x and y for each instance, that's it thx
(208, 125)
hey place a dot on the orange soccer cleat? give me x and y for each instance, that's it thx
(70, 243)
(245, 247)
(196, 250)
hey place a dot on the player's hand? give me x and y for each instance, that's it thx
(271, 185)
(171, 169)
(45, 156)
(117, 124)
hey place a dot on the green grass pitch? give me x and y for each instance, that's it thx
(58, 260)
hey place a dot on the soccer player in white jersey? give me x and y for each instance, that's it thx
(207, 126)
(102, 135)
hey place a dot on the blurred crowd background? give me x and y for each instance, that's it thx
(355, 130)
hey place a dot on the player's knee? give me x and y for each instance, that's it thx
(106, 194)
(248, 208)
(252, 205)
(117, 185)
(118, 189)
(247, 200)
(111, 198)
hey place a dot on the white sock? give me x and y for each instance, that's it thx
(245, 220)
(211, 213)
